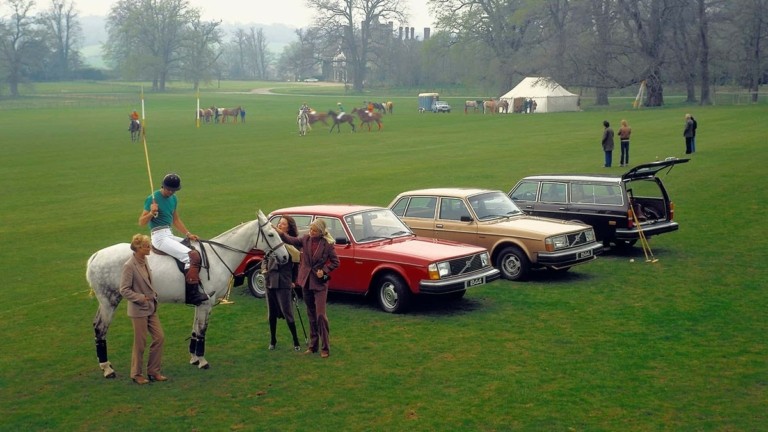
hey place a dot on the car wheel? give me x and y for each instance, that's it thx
(513, 263)
(257, 283)
(393, 294)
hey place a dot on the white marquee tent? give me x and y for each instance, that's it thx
(549, 95)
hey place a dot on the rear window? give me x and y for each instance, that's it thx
(595, 193)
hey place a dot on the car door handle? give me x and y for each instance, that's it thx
(529, 206)
(439, 226)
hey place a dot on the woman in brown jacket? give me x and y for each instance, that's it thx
(318, 259)
(136, 287)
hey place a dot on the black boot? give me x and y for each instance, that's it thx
(194, 295)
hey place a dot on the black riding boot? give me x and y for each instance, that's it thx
(194, 295)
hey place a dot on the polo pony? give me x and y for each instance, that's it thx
(221, 255)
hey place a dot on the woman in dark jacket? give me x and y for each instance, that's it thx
(318, 259)
(279, 279)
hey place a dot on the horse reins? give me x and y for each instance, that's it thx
(232, 249)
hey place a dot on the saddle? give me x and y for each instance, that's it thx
(180, 264)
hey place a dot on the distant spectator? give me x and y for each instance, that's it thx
(688, 134)
(608, 143)
(624, 132)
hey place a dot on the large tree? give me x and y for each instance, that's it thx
(146, 38)
(63, 33)
(201, 51)
(21, 44)
(354, 26)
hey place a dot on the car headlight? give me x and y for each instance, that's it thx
(590, 235)
(439, 270)
(485, 259)
(556, 242)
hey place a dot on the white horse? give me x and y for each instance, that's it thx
(224, 252)
(303, 121)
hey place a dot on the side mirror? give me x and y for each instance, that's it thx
(341, 241)
(466, 219)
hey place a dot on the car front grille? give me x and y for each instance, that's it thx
(466, 264)
(577, 239)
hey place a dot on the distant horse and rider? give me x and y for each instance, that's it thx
(367, 117)
(302, 119)
(339, 119)
(134, 127)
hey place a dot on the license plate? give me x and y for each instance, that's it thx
(474, 282)
(585, 254)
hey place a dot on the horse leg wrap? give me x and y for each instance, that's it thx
(101, 350)
(193, 343)
(200, 347)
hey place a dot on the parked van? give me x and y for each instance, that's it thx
(613, 205)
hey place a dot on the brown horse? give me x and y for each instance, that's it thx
(315, 117)
(367, 117)
(226, 112)
(489, 106)
(338, 120)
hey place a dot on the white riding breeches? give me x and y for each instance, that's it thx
(164, 240)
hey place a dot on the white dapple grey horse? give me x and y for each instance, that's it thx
(224, 253)
(303, 121)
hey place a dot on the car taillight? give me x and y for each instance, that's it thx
(671, 210)
(630, 219)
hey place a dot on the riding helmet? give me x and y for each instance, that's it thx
(172, 182)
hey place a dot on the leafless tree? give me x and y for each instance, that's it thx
(63, 34)
(354, 26)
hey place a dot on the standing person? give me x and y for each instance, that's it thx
(688, 134)
(242, 115)
(318, 259)
(136, 287)
(624, 132)
(279, 278)
(608, 143)
(160, 212)
(693, 138)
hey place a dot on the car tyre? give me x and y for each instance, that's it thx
(513, 263)
(257, 283)
(393, 294)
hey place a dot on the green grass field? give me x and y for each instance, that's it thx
(679, 345)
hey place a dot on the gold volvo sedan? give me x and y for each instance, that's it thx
(517, 242)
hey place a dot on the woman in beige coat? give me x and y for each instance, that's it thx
(136, 288)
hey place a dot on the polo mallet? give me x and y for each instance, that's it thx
(643, 240)
(298, 312)
(146, 152)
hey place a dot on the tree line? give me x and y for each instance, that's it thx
(603, 45)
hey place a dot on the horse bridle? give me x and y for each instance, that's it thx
(267, 253)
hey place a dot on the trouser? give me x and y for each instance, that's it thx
(624, 153)
(141, 327)
(164, 240)
(608, 158)
(319, 328)
(688, 145)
